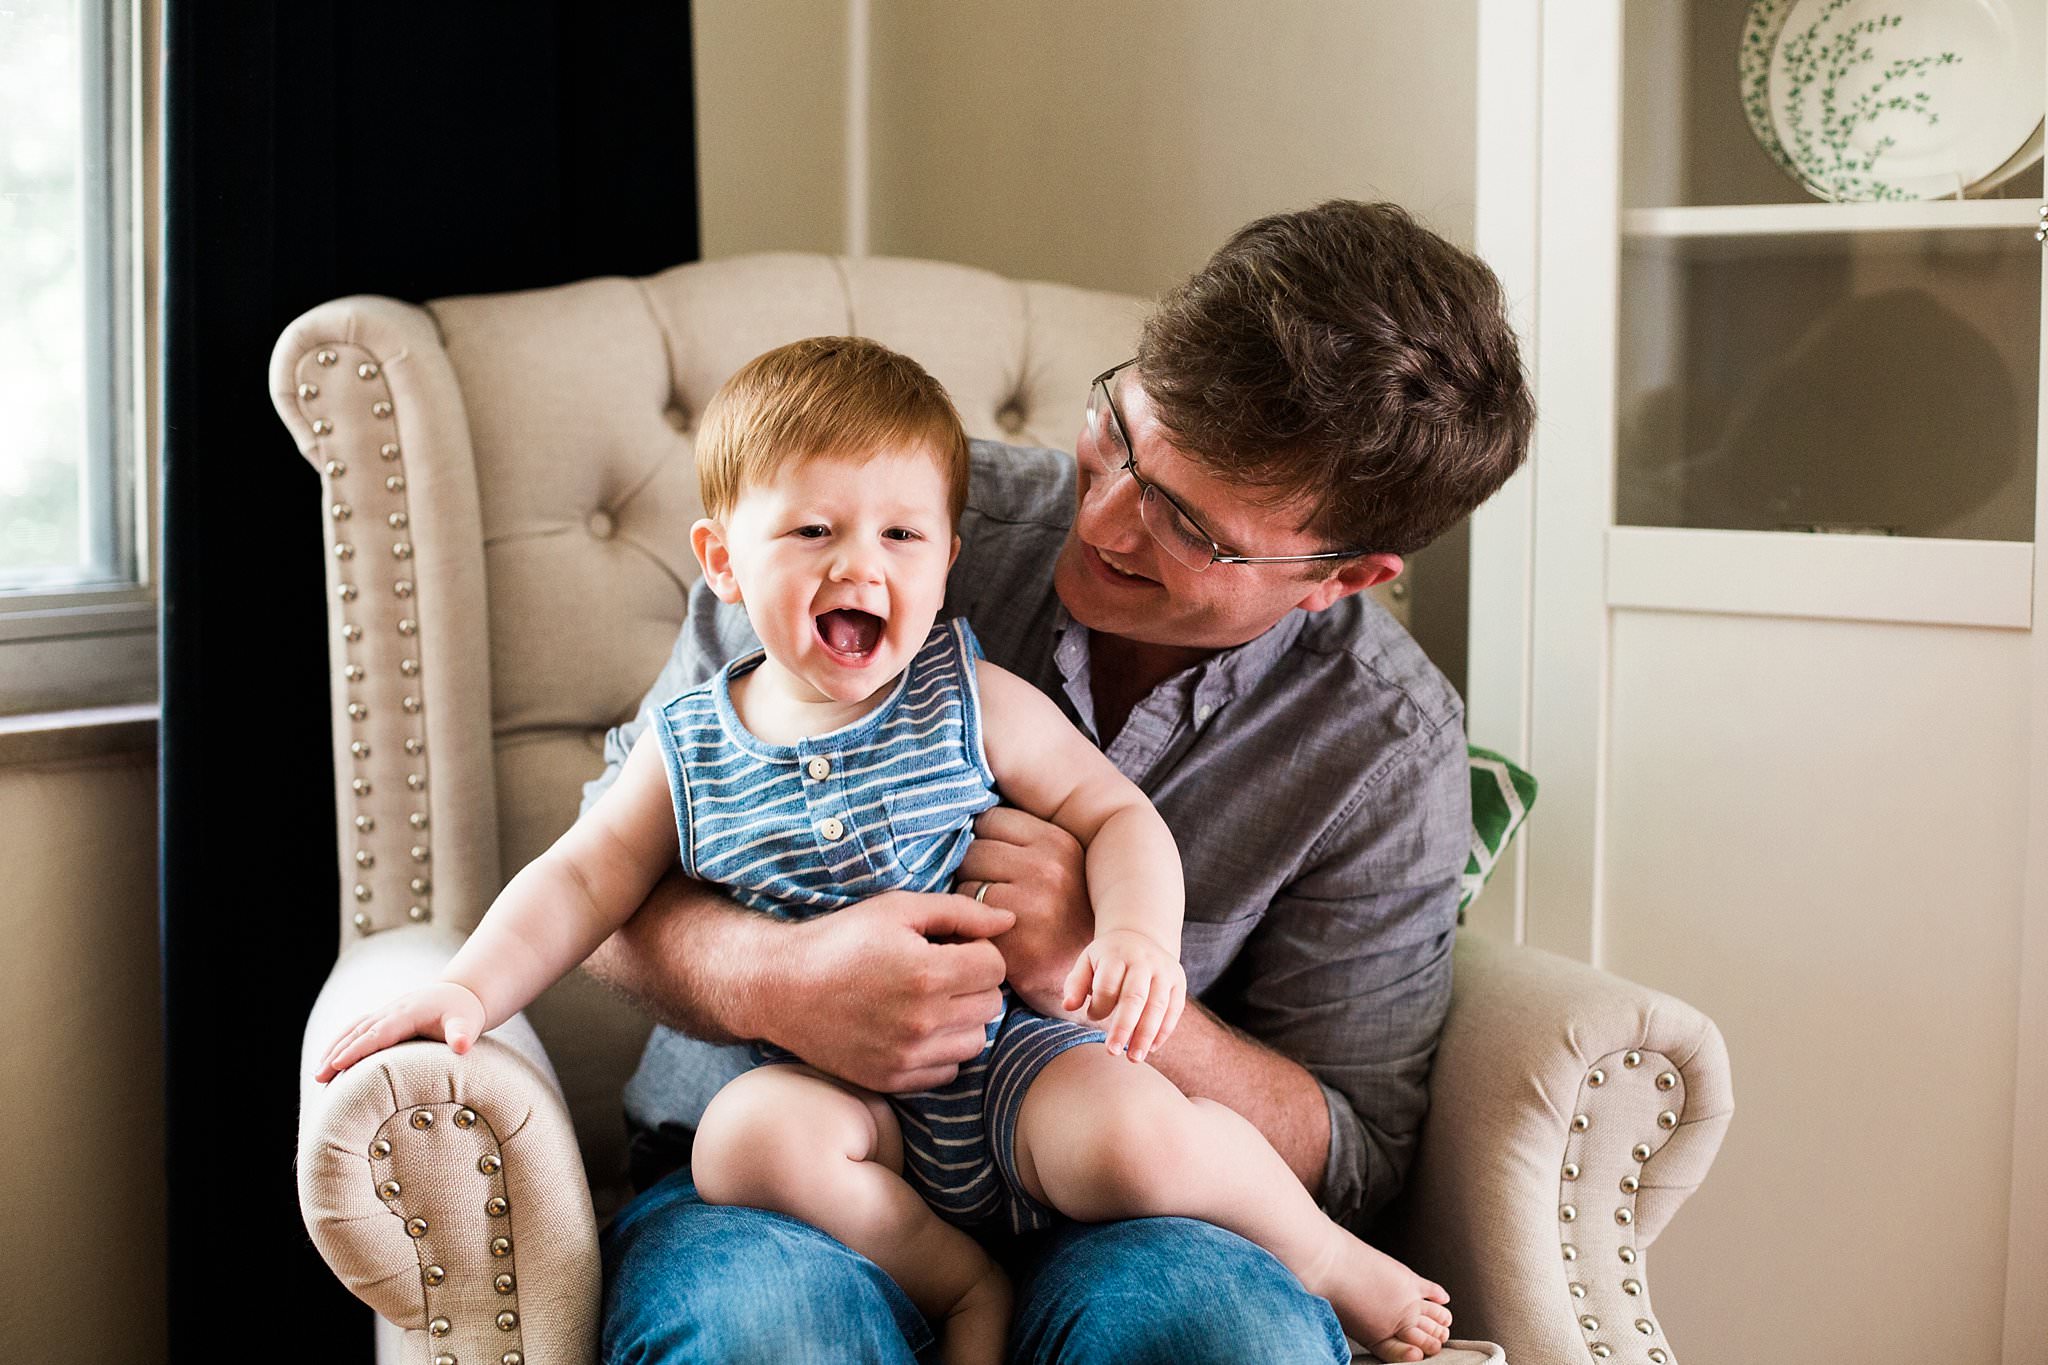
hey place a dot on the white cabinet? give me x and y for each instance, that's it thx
(1760, 618)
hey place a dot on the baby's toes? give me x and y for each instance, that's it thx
(1438, 1314)
(1423, 1337)
(1393, 1349)
(1434, 1292)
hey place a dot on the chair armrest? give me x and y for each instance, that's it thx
(370, 397)
(1571, 1113)
(454, 1135)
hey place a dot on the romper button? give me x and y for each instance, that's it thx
(819, 768)
(830, 829)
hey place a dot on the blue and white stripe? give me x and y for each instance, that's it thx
(891, 807)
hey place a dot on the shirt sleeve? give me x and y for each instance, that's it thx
(713, 635)
(1349, 972)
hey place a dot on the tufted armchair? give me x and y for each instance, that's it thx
(505, 486)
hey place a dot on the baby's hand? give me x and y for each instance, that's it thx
(443, 1010)
(1134, 975)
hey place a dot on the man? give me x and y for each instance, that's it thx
(1332, 391)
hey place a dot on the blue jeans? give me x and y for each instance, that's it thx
(690, 1281)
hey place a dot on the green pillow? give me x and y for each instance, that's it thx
(1501, 797)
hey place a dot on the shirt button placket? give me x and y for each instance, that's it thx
(830, 828)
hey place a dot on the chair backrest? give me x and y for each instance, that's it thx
(561, 453)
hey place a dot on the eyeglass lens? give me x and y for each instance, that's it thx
(1108, 456)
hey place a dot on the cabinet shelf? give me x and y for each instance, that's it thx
(1728, 221)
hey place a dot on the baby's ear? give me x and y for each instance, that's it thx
(954, 557)
(707, 542)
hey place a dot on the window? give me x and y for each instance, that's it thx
(77, 606)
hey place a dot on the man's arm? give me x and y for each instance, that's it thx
(1349, 972)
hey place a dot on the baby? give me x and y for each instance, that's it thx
(849, 757)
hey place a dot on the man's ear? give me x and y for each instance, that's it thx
(707, 542)
(1356, 575)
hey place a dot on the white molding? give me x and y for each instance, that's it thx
(1579, 255)
(2026, 1224)
(1794, 220)
(1920, 581)
(1502, 580)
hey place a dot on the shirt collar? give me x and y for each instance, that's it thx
(1218, 680)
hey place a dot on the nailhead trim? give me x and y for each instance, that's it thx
(362, 416)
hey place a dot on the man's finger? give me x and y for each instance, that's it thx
(951, 1047)
(967, 968)
(988, 860)
(927, 1078)
(958, 917)
(1008, 825)
(973, 1009)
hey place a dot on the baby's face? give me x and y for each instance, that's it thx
(841, 565)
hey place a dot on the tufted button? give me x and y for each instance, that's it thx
(601, 525)
(1010, 416)
(676, 415)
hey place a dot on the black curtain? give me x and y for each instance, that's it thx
(315, 149)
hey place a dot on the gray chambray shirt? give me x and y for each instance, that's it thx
(1315, 780)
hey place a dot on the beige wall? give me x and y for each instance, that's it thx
(81, 1075)
(771, 103)
(1115, 145)
(1112, 145)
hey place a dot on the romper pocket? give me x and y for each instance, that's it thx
(929, 838)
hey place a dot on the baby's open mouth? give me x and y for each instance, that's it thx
(850, 632)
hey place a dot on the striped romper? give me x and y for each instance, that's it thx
(884, 804)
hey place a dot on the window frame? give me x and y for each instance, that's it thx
(93, 643)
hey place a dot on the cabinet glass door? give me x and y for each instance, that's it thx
(1791, 365)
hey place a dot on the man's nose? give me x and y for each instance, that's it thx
(1109, 511)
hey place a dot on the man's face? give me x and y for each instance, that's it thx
(841, 565)
(1115, 578)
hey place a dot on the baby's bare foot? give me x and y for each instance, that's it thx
(1383, 1303)
(977, 1329)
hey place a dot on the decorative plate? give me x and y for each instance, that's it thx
(1760, 29)
(1895, 99)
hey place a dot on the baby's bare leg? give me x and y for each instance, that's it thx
(1099, 1138)
(792, 1140)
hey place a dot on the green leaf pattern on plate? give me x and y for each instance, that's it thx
(1753, 67)
(1851, 100)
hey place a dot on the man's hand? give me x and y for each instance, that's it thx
(873, 999)
(1038, 871)
(1138, 978)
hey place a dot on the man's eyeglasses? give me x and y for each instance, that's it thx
(1105, 451)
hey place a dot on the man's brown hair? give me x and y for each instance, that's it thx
(824, 396)
(1350, 359)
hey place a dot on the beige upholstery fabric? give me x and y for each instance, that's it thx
(502, 1102)
(1550, 1091)
(516, 571)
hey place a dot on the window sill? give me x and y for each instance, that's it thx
(65, 736)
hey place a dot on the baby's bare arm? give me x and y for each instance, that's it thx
(570, 899)
(1046, 767)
